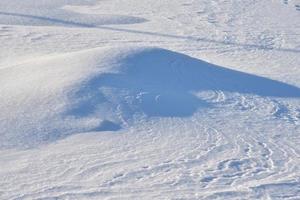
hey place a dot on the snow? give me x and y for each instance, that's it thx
(149, 100)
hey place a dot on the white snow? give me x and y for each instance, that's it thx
(149, 99)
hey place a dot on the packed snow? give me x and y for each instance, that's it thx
(183, 99)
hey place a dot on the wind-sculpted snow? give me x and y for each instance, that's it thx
(104, 89)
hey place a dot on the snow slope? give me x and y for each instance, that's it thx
(149, 100)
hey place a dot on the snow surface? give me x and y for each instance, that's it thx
(149, 99)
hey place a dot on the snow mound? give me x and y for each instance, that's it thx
(106, 89)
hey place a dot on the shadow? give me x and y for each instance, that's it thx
(130, 20)
(199, 39)
(85, 101)
(40, 18)
(71, 20)
(107, 125)
(162, 83)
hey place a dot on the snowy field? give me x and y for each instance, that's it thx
(144, 99)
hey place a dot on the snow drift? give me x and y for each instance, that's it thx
(106, 89)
